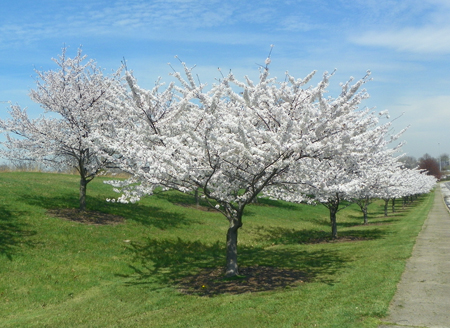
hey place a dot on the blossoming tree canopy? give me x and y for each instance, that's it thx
(75, 99)
(234, 145)
(346, 175)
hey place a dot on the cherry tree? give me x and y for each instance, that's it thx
(378, 180)
(234, 142)
(398, 181)
(387, 177)
(338, 181)
(414, 182)
(368, 189)
(332, 186)
(380, 165)
(75, 99)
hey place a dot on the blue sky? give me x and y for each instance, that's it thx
(405, 43)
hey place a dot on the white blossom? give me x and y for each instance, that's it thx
(235, 146)
(76, 101)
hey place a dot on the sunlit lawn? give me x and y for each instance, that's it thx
(60, 273)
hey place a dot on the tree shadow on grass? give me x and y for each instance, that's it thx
(13, 234)
(287, 236)
(168, 260)
(177, 197)
(360, 222)
(363, 234)
(356, 220)
(323, 221)
(143, 214)
(372, 219)
(276, 203)
(184, 199)
(197, 268)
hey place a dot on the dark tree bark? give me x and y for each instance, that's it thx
(333, 207)
(232, 268)
(393, 205)
(386, 204)
(85, 178)
(366, 220)
(197, 199)
(333, 223)
(83, 187)
(363, 204)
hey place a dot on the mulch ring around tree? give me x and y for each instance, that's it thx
(210, 282)
(86, 217)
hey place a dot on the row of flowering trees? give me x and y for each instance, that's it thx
(231, 142)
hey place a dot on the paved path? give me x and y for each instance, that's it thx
(423, 294)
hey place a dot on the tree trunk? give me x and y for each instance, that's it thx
(364, 210)
(333, 207)
(333, 223)
(231, 269)
(386, 203)
(393, 205)
(363, 203)
(83, 186)
(197, 201)
(333, 211)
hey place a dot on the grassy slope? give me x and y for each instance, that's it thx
(57, 273)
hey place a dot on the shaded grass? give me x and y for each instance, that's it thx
(58, 273)
(14, 234)
(178, 258)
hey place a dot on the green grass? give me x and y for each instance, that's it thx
(58, 273)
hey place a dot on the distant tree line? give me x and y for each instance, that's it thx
(433, 166)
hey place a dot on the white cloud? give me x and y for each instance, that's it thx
(297, 23)
(139, 19)
(437, 105)
(429, 121)
(426, 40)
(418, 27)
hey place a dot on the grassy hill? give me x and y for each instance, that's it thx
(157, 263)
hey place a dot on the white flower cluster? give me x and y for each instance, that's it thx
(233, 142)
(280, 139)
(76, 99)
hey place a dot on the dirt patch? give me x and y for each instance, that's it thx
(86, 217)
(211, 282)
